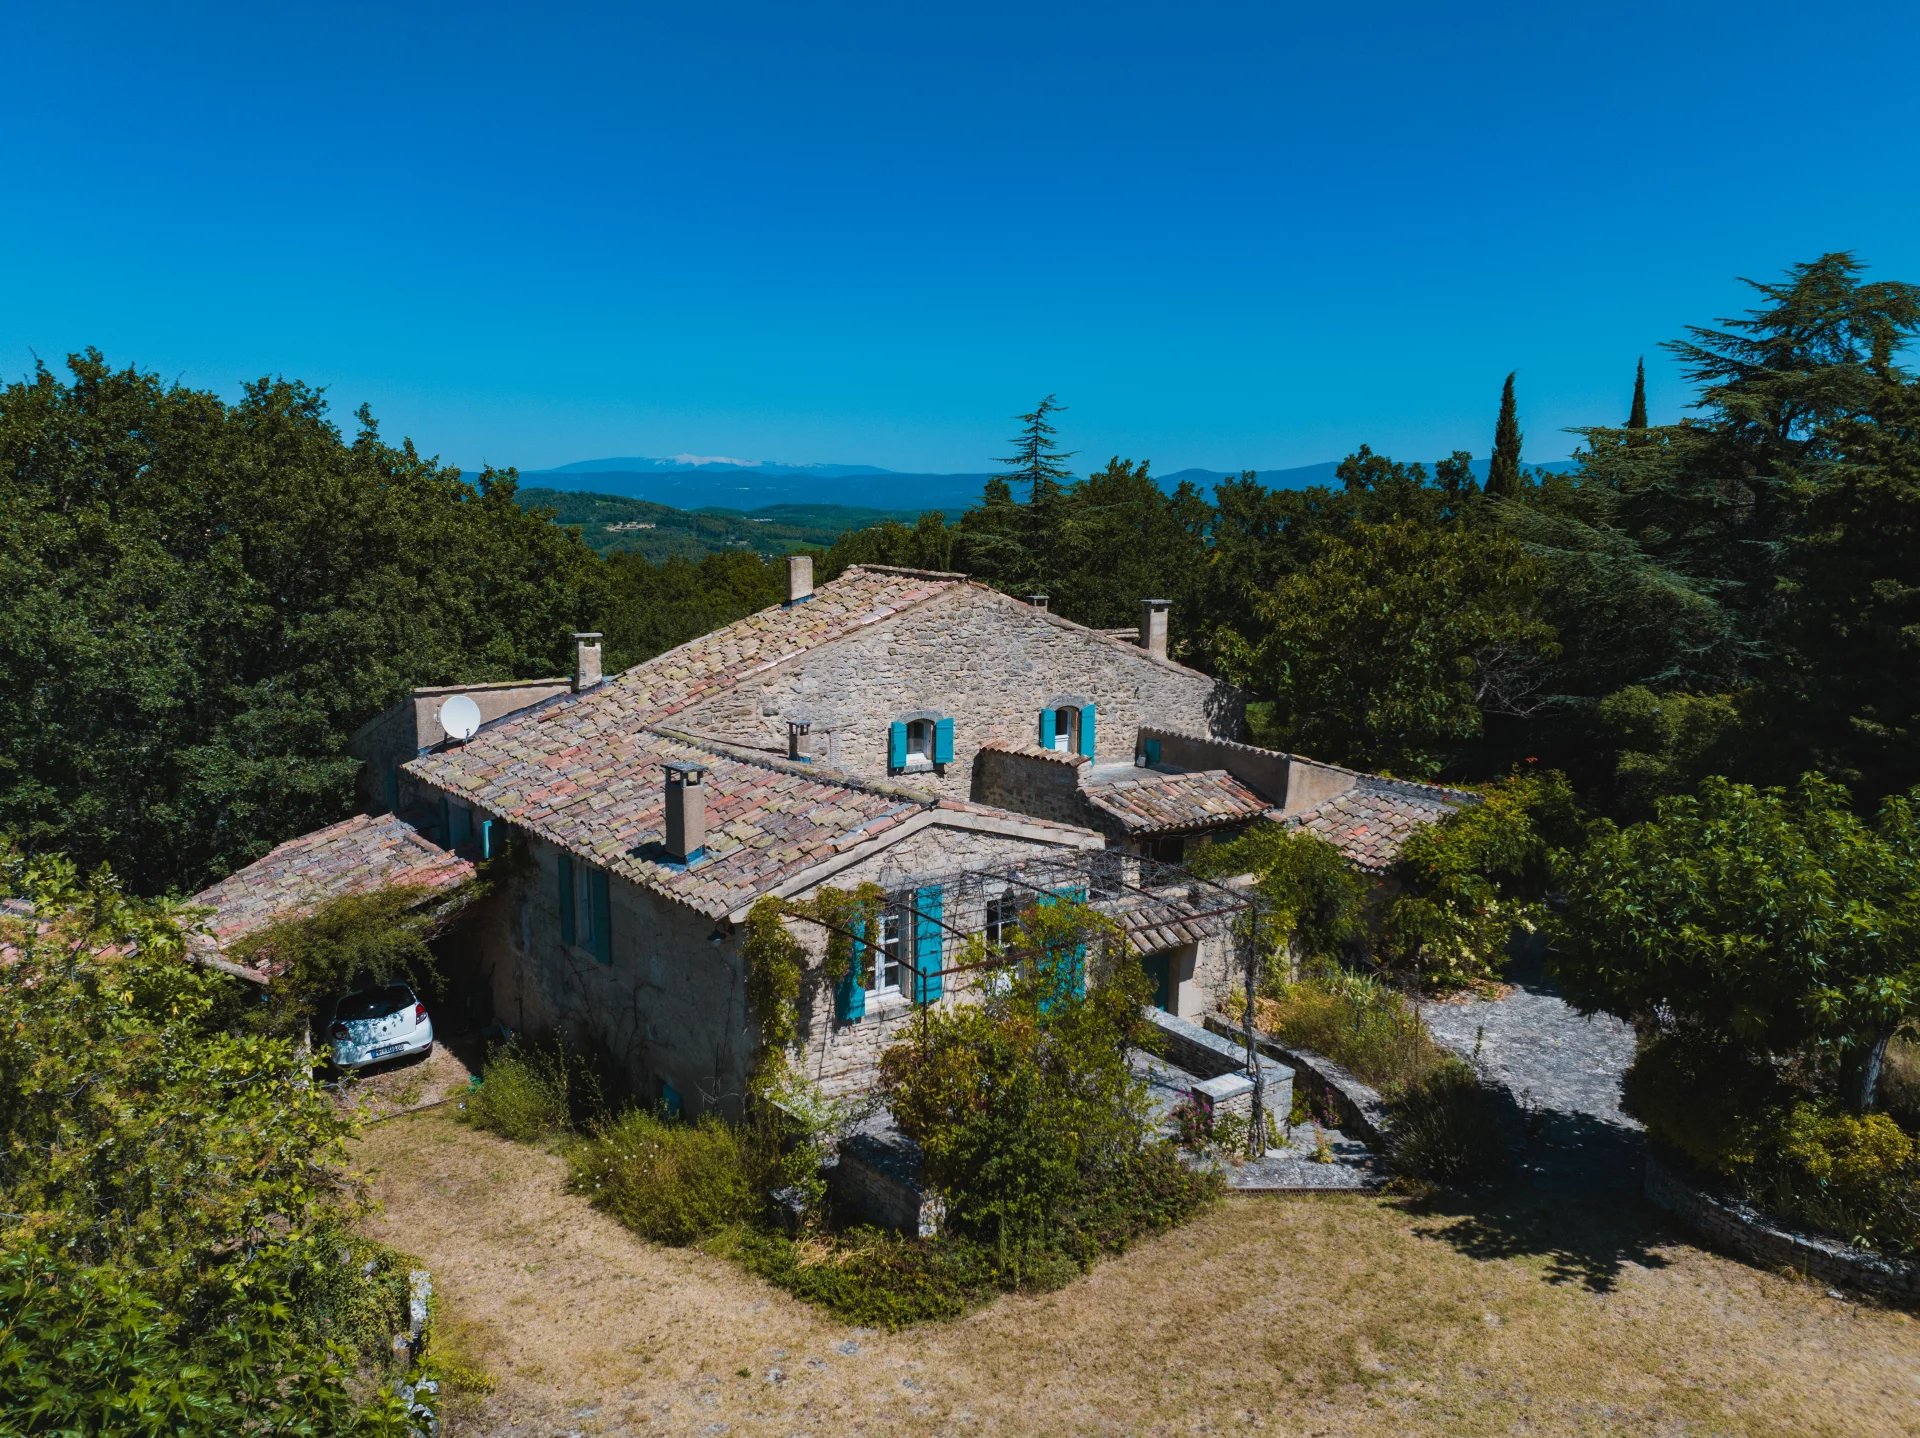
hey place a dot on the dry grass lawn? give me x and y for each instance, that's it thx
(1343, 1316)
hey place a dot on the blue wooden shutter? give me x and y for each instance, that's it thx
(928, 959)
(602, 915)
(459, 825)
(446, 821)
(490, 830)
(565, 872)
(1066, 972)
(393, 788)
(849, 995)
(1152, 747)
(669, 1099)
(897, 745)
(1086, 730)
(1046, 728)
(943, 742)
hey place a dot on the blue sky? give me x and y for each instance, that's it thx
(1226, 235)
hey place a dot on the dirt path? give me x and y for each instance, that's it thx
(1329, 1316)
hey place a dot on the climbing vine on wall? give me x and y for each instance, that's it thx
(777, 960)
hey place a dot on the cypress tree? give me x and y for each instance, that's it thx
(1503, 470)
(1637, 417)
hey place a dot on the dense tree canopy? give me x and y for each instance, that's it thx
(199, 602)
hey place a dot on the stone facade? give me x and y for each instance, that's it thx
(990, 662)
(670, 1006)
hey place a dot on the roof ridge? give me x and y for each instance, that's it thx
(837, 778)
(899, 569)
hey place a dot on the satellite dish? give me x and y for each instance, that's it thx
(460, 717)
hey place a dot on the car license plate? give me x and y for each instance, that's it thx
(383, 1050)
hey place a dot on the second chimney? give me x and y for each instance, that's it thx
(1038, 601)
(799, 578)
(686, 828)
(800, 741)
(586, 661)
(1153, 626)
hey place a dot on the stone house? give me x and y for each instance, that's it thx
(963, 750)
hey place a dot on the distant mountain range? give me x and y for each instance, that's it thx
(690, 481)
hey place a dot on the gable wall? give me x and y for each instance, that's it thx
(989, 661)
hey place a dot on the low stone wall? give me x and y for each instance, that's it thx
(1357, 1106)
(878, 1178)
(1745, 1231)
(1220, 1064)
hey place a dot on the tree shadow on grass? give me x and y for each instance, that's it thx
(1574, 1201)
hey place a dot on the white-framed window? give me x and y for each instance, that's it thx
(887, 952)
(920, 743)
(1066, 728)
(1003, 913)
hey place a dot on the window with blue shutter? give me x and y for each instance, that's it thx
(669, 1099)
(459, 825)
(492, 833)
(943, 742)
(897, 745)
(1152, 750)
(849, 996)
(602, 901)
(564, 871)
(928, 958)
(1046, 728)
(1066, 969)
(1086, 730)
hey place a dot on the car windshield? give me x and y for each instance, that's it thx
(374, 1003)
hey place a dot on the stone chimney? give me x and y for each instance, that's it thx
(586, 661)
(686, 837)
(1038, 601)
(800, 741)
(799, 578)
(1153, 626)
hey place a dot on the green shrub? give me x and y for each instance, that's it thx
(670, 1181)
(1715, 1104)
(872, 1277)
(530, 1092)
(1354, 1019)
(1448, 1127)
(1856, 1176)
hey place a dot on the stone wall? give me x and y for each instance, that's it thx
(1357, 1107)
(989, 661)
(1221, 1065)
(670, 1006)
(876, 1176)
(1748, 1233)
(1045, 785)
(1291, 782)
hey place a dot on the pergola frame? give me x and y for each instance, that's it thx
(1115, 883)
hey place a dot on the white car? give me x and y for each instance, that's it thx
(377, 1024)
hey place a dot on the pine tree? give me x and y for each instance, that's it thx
(1036, 463)
(1503, 470)
(1637, 416)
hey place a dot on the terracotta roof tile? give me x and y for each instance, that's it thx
(1371, 821)
(355, 856)
(1156, 803)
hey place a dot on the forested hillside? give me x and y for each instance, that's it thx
(610, 524)
(200, 600)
